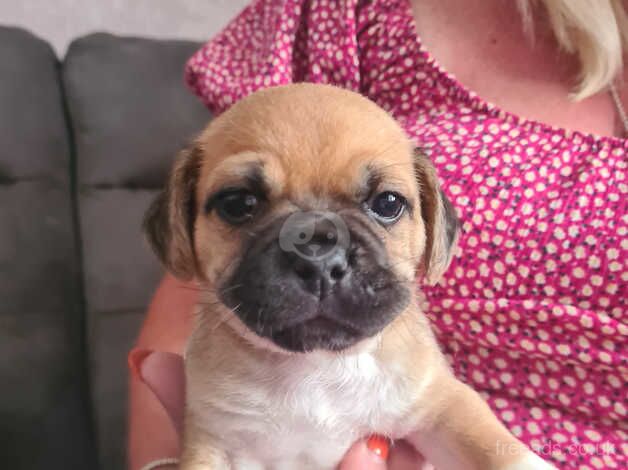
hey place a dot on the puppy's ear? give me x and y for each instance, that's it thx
(169, 222)
(441, 223)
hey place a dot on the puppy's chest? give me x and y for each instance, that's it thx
(307, 413)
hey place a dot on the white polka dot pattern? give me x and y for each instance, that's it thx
(532, 312)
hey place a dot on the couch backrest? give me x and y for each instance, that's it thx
(130, 113)
(44, 410)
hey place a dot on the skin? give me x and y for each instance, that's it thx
(502, 67)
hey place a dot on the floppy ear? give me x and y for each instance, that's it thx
(169, 222)
(441, 223)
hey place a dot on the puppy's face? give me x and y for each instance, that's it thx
(306, 210)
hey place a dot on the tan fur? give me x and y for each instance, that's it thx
(251, 406)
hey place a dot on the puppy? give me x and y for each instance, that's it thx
(304, 216)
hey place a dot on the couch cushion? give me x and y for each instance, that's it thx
(130, 109)
(33, 131)
(130, 113)
(112, 335)
(120, 272)
(44, 414)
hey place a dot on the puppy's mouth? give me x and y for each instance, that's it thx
(317, 333)
(303, 323)
(324, 303)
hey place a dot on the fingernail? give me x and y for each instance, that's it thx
(136, 358)
(379, 445)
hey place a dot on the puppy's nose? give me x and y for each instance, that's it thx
(318, 275)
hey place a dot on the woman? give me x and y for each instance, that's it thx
(532, 311)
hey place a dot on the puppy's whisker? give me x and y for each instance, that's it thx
(388, 284)
(259, 317)
(193, 288)
(228, 316)
(209, 304)
(230, 288)
(401, 260)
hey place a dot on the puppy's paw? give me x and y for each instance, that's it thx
(530, 461)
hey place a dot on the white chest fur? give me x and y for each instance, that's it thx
(298, 411)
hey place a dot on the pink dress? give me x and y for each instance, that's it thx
(532, 312)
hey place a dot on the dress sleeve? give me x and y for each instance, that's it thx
(275, 42)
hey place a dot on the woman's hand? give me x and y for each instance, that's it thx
(163, 373)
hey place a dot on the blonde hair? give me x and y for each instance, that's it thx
(596, 31)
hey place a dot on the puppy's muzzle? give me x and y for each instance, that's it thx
(315, 281)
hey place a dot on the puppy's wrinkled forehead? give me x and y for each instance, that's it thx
(306, 140)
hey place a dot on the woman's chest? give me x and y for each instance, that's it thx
(543, 214)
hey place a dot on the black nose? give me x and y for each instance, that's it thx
(319, 264)
(319, 275)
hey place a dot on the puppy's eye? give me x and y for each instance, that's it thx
(387, 207)
(236, 206)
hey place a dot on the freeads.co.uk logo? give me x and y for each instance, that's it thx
(314, 235)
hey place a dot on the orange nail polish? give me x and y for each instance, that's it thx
(135, 358)
(379, 445)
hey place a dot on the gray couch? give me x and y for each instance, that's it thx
(85, 144)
